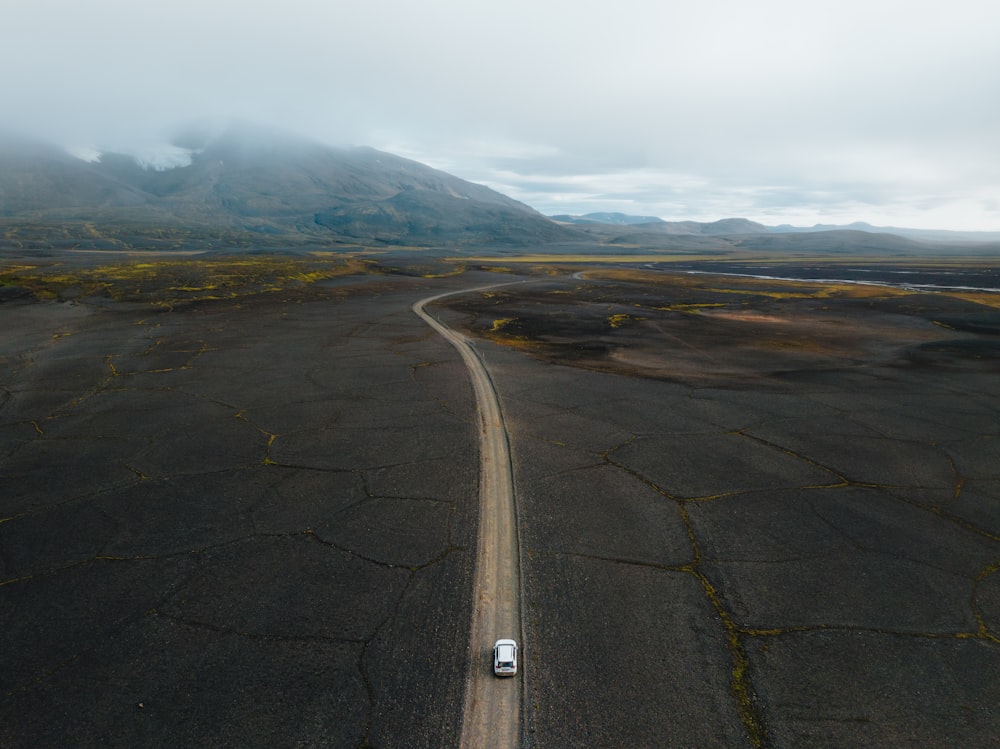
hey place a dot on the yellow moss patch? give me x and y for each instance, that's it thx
(617, 320)
(187, 278)
(689, 307)
(588, 259)
(985, 298)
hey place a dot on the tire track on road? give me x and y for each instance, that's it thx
(492, 709)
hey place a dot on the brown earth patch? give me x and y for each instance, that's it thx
(721, 329)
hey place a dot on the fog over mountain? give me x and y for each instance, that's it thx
(782, 112)
(256, 183)
(245, 186)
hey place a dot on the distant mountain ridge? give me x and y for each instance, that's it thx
(741, 226)
(726, 226)
(606, 218)
(248, 183)
(930, 235)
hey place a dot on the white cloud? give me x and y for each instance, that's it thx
(85, 153)
(161, 157)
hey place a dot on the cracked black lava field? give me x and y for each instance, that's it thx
(239, 506)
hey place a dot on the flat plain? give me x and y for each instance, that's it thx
(238, 510)
(239, 506)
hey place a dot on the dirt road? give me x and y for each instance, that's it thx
(492, 705)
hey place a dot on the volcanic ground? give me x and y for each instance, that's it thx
(239, 506)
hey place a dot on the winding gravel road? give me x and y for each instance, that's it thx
(492, 710)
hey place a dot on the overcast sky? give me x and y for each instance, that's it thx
(797, 111)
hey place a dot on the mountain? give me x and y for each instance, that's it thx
(833, 242)
(38, 180)
(248, 186)
(639, 234)
(651, 225)
(606, 218)
(721, 228)
(928, 235)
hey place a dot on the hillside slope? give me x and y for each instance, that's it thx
(248, 182)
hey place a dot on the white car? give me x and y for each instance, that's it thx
(505, 658)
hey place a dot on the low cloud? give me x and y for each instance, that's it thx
(872, 110)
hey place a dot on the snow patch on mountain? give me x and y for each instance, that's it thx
(155, 157)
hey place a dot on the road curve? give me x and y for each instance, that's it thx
(492, 709)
